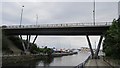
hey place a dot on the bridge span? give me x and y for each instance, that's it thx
(60, 29)
(57, 29)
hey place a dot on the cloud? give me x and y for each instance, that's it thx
(58, 12)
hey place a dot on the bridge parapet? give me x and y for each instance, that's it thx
(57, 25)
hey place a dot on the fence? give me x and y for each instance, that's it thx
(82, 65)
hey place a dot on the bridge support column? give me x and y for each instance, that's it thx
(28, 42)
(35, 39)
(92, 53)
(98, 47)
(23, 44)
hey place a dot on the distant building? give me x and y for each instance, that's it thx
(85, 49)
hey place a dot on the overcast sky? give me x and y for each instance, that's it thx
(59, 12)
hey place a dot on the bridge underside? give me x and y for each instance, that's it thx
(58, 31)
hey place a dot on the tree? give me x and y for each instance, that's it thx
(34, 49)
(111, 45)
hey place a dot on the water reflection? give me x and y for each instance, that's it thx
(70, 60)
(47, 62)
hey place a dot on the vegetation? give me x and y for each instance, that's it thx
(5, 47)
(111, 45)
(45, 50)
(33, 48)
(17, 42)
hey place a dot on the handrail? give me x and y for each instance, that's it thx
(82, 65)
(57, 25)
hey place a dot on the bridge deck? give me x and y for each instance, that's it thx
(58, 29)
(91, 30)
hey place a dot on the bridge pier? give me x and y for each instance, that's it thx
(94, 56)
(35, 39)
(89, 43)
(98, 47)
(28, 42)
(23, 44)
(26, 48)
(27, 39)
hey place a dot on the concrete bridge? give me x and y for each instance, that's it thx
(60, 29)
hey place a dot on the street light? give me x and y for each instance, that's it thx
(21, 15)
(94, 13)
(36, 19)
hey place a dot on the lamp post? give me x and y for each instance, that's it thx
(94, 13)
(36, 19)
(21, 15)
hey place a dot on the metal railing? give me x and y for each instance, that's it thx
(82, 65)
(57, 25)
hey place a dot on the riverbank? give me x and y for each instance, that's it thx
(63, 54)
(11, 59)
(70, 60)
